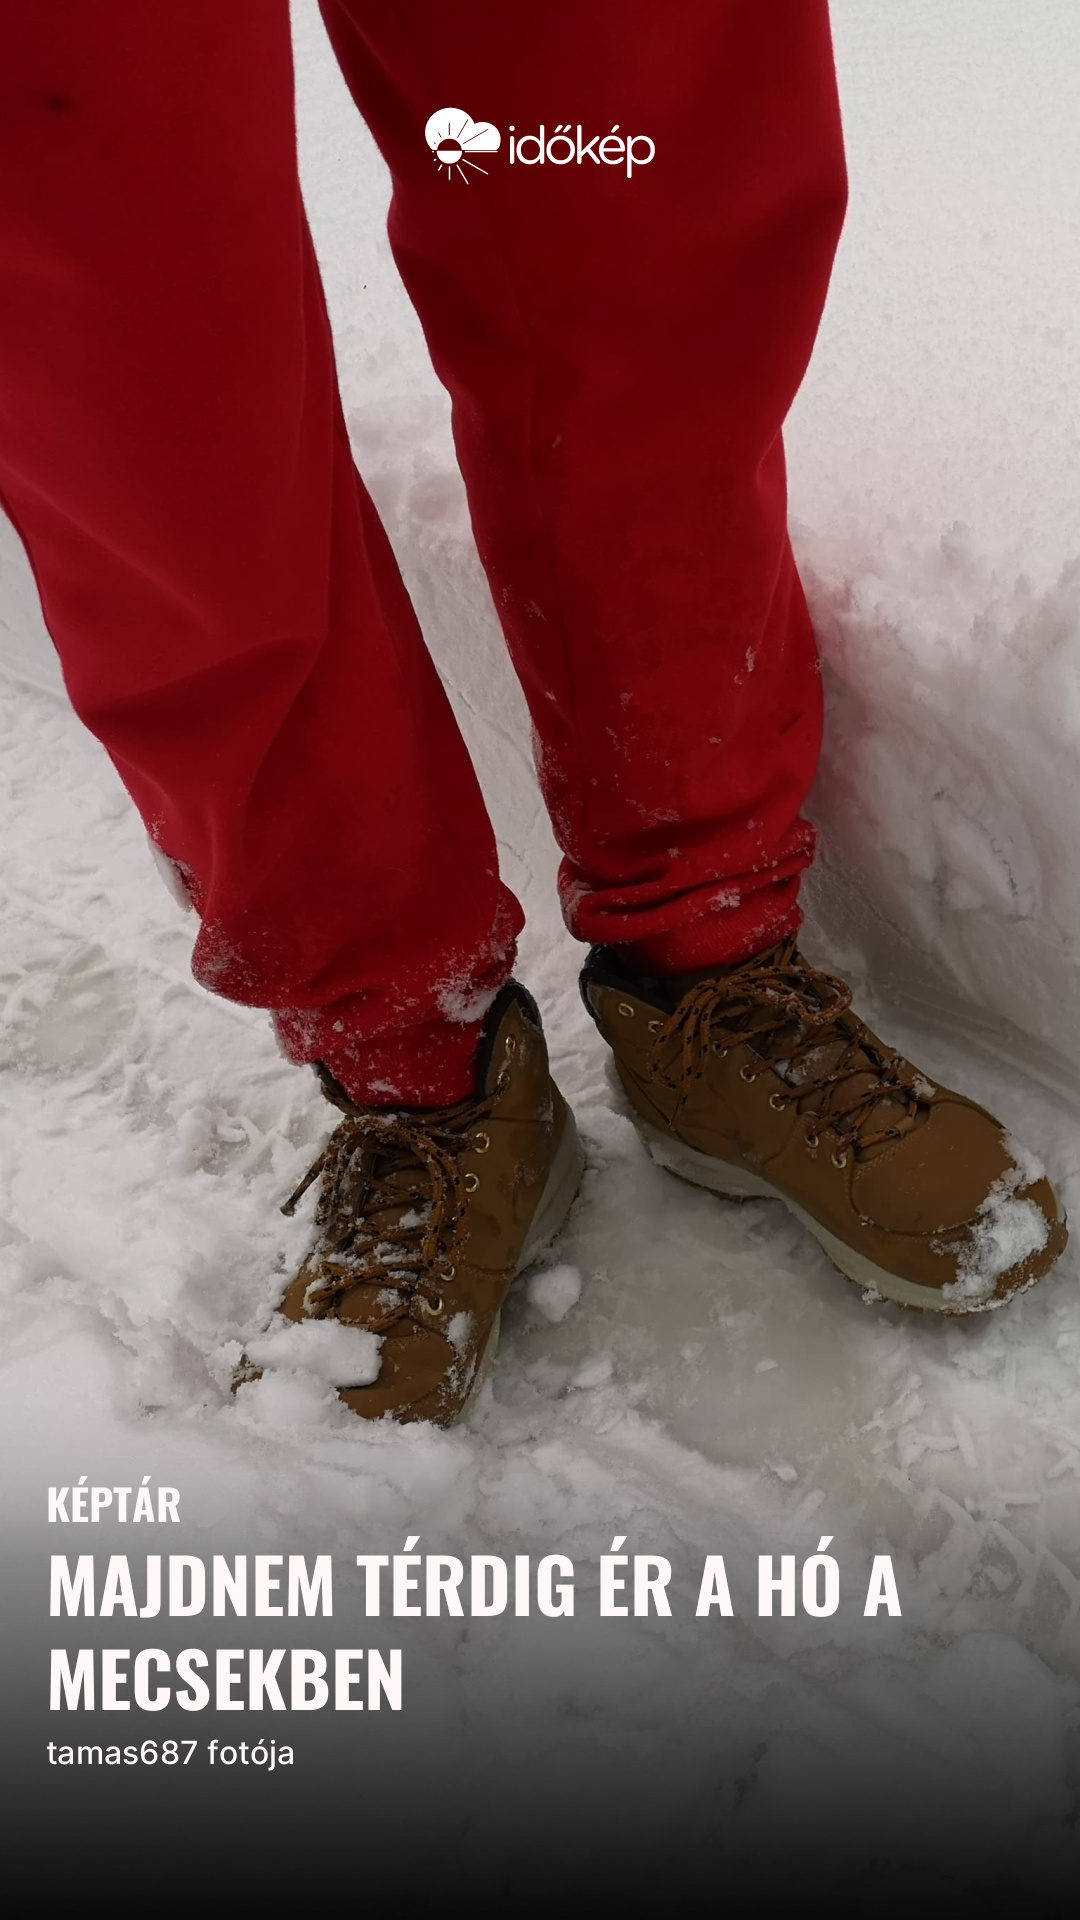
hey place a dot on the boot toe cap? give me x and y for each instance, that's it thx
(1012, 1241)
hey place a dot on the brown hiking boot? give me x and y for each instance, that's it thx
(424, 1219)
(757, 1080)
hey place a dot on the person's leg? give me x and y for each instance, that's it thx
(228, 613)
(621, 352)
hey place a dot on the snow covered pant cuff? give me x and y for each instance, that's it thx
(718, 939)
(433, 1065)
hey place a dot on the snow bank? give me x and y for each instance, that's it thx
(946, 798)
(935, 485)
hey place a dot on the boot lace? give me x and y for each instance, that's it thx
(797, 1020)
(406, 1167)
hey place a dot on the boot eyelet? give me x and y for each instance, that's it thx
(436, 1305)
(778, 1101)
(511, 1046)
(472, 1181)
(626, 1011)
(813, 1139)
(839, 1159)
(720, 1052)
(747, 1073)
(481, 1142)
(447, 1274)
(655, 1026)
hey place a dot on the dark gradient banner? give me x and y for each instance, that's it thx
(532, 1755)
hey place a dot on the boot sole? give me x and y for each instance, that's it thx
(738, 1183)
(560, 1191)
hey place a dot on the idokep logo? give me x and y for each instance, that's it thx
(454, 137)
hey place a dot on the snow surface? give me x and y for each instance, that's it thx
(718, 1387)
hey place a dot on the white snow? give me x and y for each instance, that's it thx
(342, 1356)
(594, 1373)
(1007, 1231)
(457, 1331)
(554, 1292)
(148, 1133)
(463, 1004)
(935, 474)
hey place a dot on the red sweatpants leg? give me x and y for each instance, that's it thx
(621, 352)
(229, 616)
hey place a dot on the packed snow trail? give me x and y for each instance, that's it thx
(690, 1370)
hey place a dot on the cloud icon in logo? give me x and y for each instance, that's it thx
(454, 137)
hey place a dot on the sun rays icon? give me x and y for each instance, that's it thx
(454, 137)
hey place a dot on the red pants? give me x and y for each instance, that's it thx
(621, 353)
